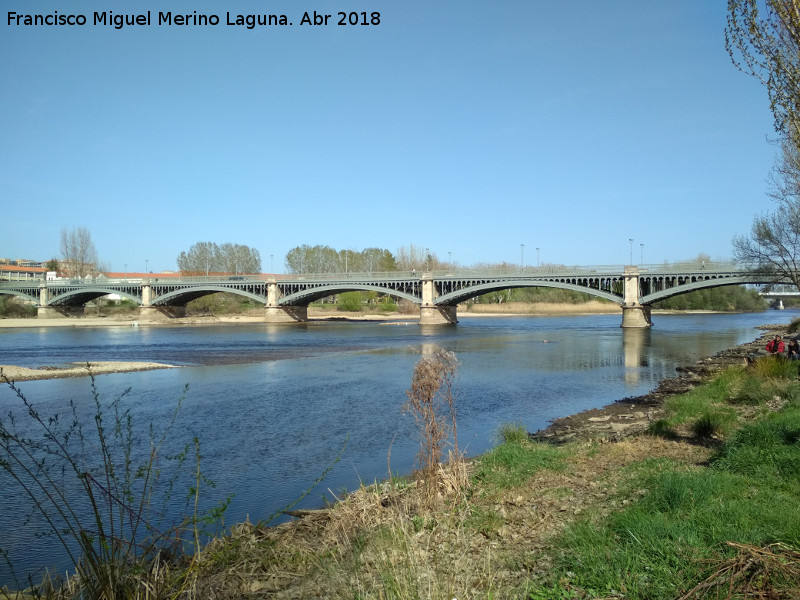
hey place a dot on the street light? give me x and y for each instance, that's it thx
(522, 257)
(631, 242)
(537, 257)
(145, 265)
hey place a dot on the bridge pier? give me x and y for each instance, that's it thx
(276, 313)
(286, 314)
(634, 314)
(430, 313)
(437, 315)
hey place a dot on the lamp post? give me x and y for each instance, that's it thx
(270, 263)
(427, 254)
(522, 257)
(631, 243)
(537, 257)
(145, 265)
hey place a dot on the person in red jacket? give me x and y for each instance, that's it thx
(775, 346)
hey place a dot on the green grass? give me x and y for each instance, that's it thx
(513, 462)
(667, 542)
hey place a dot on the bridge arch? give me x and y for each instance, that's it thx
(79, 297)
(181, 297)
(306, 297)
(473, 291)
(695, 283)
(20, 294)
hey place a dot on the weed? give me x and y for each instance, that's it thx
(106, 506)
(708, 425)
(768, 367)
(514, 433)
(662, 428)
(431, 401)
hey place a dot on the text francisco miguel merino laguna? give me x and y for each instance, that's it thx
(118, 21)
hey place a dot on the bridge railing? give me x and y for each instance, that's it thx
(466, 273)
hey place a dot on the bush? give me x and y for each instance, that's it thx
(13, 307)
(103, 491)
(350, 301)
(432, 403)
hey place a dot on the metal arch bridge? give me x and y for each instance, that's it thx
(438, 293)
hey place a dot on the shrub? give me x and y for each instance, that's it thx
(662, 428)
(513, 433)
(103, 496)
(432, 403)
(350, 301)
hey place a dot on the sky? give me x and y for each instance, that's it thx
(482, 131)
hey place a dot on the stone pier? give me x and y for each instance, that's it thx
(276, 313)
(634, 314)
(430, 313)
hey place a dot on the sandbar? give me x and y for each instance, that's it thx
(16, 373)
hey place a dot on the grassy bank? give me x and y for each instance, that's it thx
(703, 505)
(706, 502)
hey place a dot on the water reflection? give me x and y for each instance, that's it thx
(635, 343)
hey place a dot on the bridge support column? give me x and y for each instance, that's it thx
(437, 315)
(276, 313)
(634, 314)
(430, 313)
(286, 314)
(58, 312)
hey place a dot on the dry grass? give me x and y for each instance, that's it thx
(389, 540)
(768, 573)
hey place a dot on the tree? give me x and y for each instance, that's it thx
(765, 43)
(208, 257)
(773, 245)
(78, 252)
(324, 259)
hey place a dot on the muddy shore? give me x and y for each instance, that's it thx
(633, 415)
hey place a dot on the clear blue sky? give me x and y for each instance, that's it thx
(465, 127)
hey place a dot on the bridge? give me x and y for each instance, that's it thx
(437, 293)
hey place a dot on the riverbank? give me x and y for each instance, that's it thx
(490, 539)
(501, 533)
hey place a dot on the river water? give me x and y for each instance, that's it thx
(273, 405)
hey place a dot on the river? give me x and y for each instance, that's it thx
(272, 405)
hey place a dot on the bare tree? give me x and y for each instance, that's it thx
(78, 252)
(773, 246)
(763, 40)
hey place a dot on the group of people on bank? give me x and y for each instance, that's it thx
(777, 347)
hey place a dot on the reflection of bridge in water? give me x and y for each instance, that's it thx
(438, 293)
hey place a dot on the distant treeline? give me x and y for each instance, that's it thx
(726, 298)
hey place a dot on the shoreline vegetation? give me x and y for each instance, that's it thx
(639, 499)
